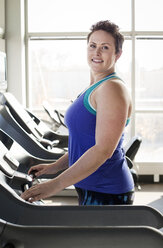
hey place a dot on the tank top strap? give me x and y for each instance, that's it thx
(88, 92)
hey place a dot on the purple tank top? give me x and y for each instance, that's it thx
(113, 176)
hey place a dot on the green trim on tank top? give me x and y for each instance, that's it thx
(87, 95)
(88, 92)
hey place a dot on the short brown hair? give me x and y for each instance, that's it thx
(110, 28)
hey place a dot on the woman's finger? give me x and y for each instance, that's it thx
(33, 168)
(30, 192)
(34, 198)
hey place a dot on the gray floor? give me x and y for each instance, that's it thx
(150, 194)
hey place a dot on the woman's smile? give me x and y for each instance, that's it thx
(97, 60)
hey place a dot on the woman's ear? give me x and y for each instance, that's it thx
(118, 55)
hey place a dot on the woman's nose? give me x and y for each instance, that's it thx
(98, 51)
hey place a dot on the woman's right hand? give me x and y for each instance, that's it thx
(38, 170)
(50, 168)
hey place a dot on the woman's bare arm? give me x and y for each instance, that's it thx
(112, 103)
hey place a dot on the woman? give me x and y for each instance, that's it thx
(95, 162)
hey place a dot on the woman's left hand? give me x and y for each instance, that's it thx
(39, 191)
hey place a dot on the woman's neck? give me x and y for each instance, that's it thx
(95, 78)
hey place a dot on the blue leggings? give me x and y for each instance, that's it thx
(87, 197)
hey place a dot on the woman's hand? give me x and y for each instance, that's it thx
(51, 168)
(41, 191)
(38, 170)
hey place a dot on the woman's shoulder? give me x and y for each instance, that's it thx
(114, 91)
(113, 86)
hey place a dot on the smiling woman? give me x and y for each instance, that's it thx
(101, 51)
(95, 162)
(57, 60)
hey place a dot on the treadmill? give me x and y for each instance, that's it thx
(15, 210)
(32, 124)
(21, 236)
(24, 224)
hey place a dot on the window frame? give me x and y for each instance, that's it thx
(131, 35)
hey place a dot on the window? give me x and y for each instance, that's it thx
(59, 71)
(149, 71)
(76, 16)
(57, 65)
(148, 13)
(150, 127)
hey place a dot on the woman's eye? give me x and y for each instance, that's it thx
(92, 46)
(105, 47)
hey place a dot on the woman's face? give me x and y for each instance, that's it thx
(101, 53)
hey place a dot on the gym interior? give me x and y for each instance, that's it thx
(42, 70)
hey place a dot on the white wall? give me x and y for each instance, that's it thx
(15, 48)
(2, 14)
(2, 25)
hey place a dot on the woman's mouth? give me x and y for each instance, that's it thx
(97, 60)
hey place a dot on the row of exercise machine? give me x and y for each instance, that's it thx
(25, 140)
